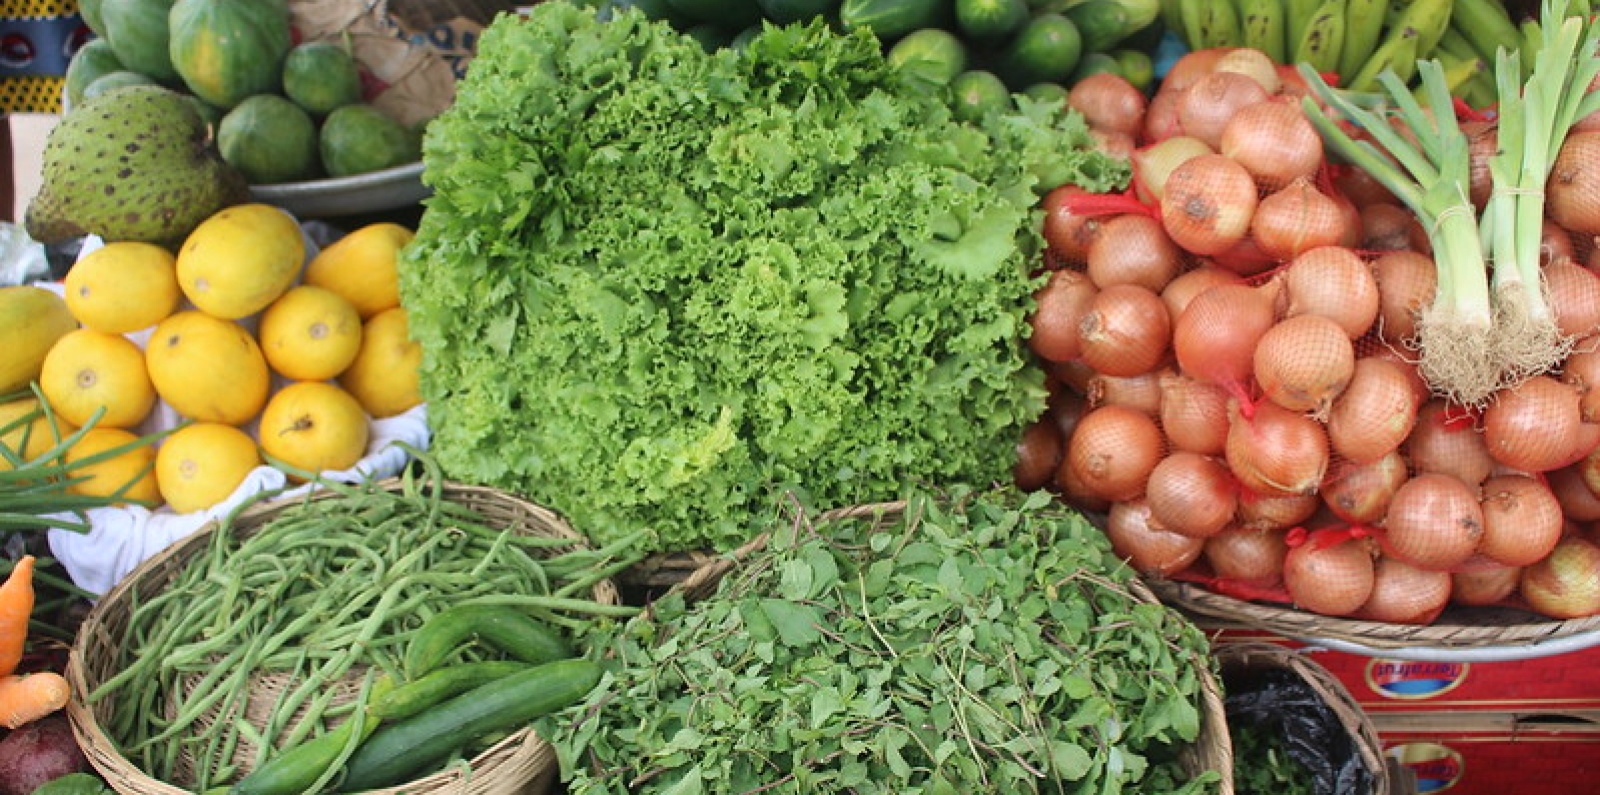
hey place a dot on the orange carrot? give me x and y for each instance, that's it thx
(16, 605)
(25, 698)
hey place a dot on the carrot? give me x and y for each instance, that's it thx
(25, 698)
(16, 605)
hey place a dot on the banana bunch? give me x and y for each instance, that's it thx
(1357, 40)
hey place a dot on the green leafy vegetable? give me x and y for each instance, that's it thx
(1262, 765)
(656, 284)
(975, 642)
(74, 784)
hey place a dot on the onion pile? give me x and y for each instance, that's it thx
(1232, 364)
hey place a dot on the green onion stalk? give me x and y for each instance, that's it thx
(1534, 118)
(1429, 173)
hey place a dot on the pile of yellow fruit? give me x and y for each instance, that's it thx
(243, 335)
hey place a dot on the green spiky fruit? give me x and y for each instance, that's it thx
(135, 163)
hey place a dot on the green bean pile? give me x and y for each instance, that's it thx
(323, 594)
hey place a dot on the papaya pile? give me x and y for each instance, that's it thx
(281, 110)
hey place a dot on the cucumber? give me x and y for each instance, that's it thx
(933, 54)
(977, 93)
(399, 751)
(733, 14)
(293, 771)
(891, 19)
(1104, 24)
(417, 695)
(784, 12)
(507, 629)
(1046, 50)
(990, 20)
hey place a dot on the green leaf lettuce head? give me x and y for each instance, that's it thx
(655, 284)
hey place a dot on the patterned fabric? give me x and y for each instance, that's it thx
(37, 39)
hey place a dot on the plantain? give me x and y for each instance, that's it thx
(1431, 18)
(1486, 24)
(1263, 26)
(1458, 74)
(1363, 29)
(1323, 39)
(1219, 24)
(1398, 52)
(1297, 16)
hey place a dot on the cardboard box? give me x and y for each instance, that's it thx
(1560, 683)
(1484, 753)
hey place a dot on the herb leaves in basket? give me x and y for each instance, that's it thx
(976, 642)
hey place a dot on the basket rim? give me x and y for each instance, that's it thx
(523, 748)
(1438, 639)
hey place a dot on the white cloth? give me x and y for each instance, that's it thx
(120, 538)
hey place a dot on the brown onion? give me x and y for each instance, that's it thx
(1161, 116)
(1304, 362)
(1274, 141)
(1579, 501)
(1251, 63)
(1483, 585)
(1112, 143)
(1376, 411)
(1207, 204)
(1126, 331)
(1108, 102)
(1522, 520)
(1564, 585)
(1405, 594)
(1149, 548)
(1360, 493)
(1359, 187)
(1275, 451)
(1133, 249)
(1537, 426)
(1386, 227)
(1076, 494)
(1191, 494)
(1059, 307)
(1445, 440)
(1407, 283)
(1582, 371)
(1068, 233)
(1112, 452)
(1573, 294)
(1264, 512)
(1065, 407)
(1215, 338)
(1194, 414)
(1141, 392)
(1206, 108)
(1296, 218)
(1555, 244)
(1329, 578)
(1154, 163)
(1039, 453)
(1247, 555)
(1336, 283)
(1434, 522)
(1191, 66)
(1190, 283)
(1572, 192)
(1483, 143)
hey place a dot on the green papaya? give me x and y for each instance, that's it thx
(321, 76)
(269, 139)
(138, 33)
(93, 59)
(356, 139)
(226, 50)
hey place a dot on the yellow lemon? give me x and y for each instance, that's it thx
(240, 259)
(27, 432)
(310, 334)
(314, 426)
(129, 475)
(90, 370)
(200, 464)
(207, 368)
(363, 266)
(123, 286)
(386, 375)
(32, 319)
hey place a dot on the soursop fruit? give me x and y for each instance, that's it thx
(134, 163)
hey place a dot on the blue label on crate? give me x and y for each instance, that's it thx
(1436, 767)
(1414, 679)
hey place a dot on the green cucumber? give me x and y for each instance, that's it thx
(507, 629)
(891, 19)
(1047, 49)
(933, 54)
(990, 20)
(399, 751)
(417, 695)
(296, 769)
(1104, 24)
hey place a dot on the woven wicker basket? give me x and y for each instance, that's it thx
(1213, 750)
(1484, 630)
(1239, 660)
(519, 764)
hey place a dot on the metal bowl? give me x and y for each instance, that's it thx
(376, 191)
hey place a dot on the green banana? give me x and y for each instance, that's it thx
(1486, 24)
(1458, 72)
(1219, 24)
(1189, 13)
(1430, 18)
(1323, 38)
(1398, 52)
(1297, 16)
(1363, 29)
(1263, 25)
(1454, 43)
(1172, 16)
